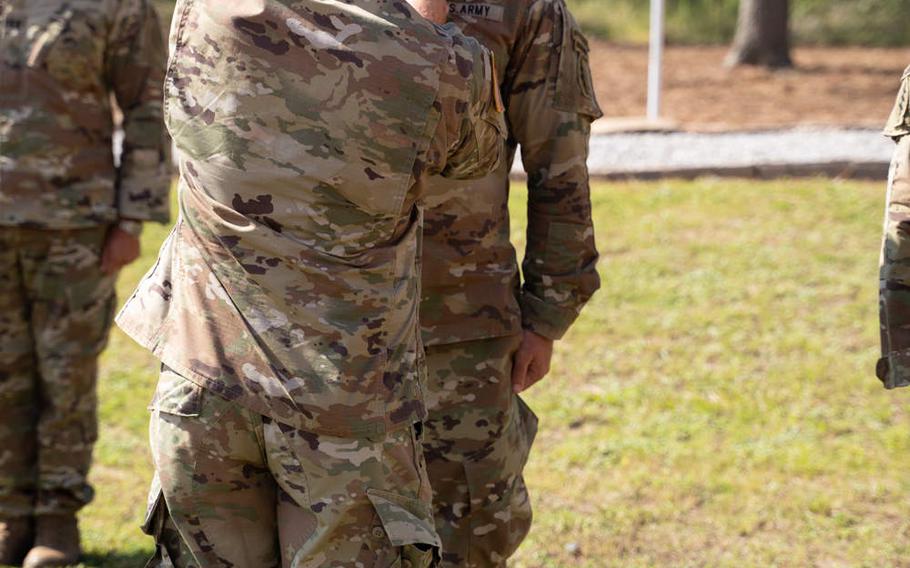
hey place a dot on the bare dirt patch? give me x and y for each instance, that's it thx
(830, 86)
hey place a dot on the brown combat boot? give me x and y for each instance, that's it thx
(16, 536)
(56, 542)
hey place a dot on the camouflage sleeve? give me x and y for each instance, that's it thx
(470, 136)
(894, 278)
(134, 65)
(551, 104)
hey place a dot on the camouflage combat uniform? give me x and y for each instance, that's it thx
(478, 434)
(61, 62)
(284, 303)
(894, 278)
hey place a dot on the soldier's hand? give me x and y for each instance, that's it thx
(532, 361)
(120, 249)
(434, 10)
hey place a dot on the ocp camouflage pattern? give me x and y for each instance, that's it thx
(477, 439)
(305, 131)
(471, 286)
(61, 62)
(56, 309)
(898, 124)
(246, 491)
(894, 280)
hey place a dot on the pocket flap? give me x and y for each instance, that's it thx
(175, 395)
(406, 521)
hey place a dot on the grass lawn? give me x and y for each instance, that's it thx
(715, 405)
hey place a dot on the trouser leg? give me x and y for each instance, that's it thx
(71, 311)
(18, 393)
(238, 489)
(478, 436)
(366, 501)
(217, 501)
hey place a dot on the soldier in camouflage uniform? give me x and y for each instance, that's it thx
(489, 337)
(283, 306)
(894, 279)
(69, 219)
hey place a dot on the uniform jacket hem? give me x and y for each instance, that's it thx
(155, 346)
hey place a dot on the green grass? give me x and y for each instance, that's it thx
(824, 22)
(714, 406)
(628, 21)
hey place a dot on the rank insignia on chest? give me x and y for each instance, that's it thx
(477, 10)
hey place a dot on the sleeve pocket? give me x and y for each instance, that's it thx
(574, 91)
(562, 246)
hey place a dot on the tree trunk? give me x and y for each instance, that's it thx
(762, 34)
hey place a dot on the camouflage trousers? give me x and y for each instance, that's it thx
(56, 309)
(234, 488)
(476, 443)
(894, 281)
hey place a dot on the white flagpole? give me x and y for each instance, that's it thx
(655, 63)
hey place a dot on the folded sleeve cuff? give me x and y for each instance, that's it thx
(545, 319)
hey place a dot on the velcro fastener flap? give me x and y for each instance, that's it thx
(406, 521)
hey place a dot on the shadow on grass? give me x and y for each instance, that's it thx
(136, 559)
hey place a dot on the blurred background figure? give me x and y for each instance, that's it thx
(894, 280)
(70, 218)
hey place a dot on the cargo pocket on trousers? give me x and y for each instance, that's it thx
(500, 505)
(176, 395)
(408, 525)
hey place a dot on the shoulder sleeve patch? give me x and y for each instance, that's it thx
(574, 86)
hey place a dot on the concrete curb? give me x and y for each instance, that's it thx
(871, 171)
(848, 153)
(877, 171)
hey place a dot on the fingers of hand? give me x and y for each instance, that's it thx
(520, 368)
(107, 263)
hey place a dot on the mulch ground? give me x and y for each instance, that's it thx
(829, 86)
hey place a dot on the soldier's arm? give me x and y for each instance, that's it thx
(894, 279)
(470, 134)
(550, 106)
(134, 66)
